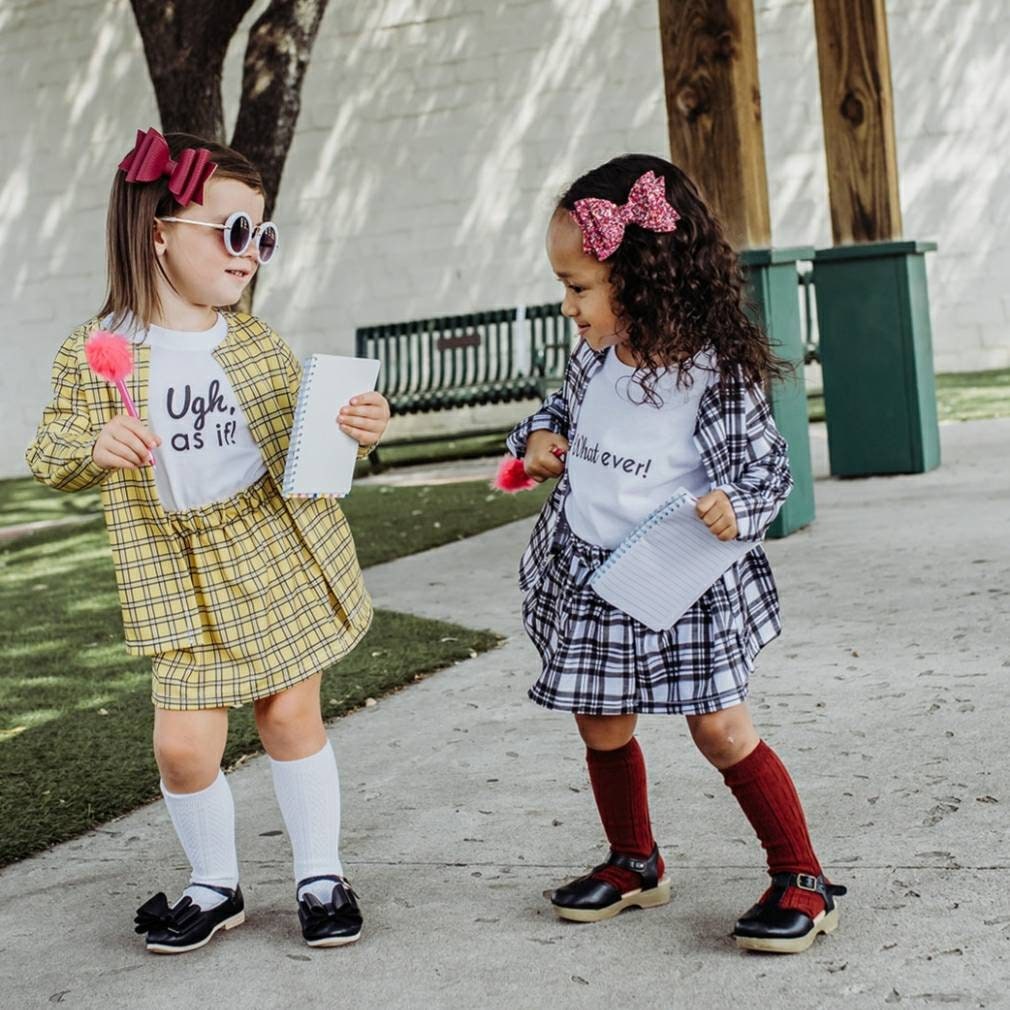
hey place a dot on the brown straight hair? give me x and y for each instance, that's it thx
(131, 263)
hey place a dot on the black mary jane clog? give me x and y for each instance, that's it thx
(175, 929)
(767, 927)
(588, 899)
(332, 923)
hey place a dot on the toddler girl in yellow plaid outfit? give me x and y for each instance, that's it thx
(237, 594)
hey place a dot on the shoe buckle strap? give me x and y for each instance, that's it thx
(802, 881)
(645, 867)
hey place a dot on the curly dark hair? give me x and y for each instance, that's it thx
(680, 292)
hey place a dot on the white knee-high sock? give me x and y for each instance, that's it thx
(308, 793)
(205, 824)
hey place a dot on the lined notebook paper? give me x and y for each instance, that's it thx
(666, 564)
(321, 457)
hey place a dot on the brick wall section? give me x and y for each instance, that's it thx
(435, 135)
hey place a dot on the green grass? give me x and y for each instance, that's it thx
(388, 522)
(972, 396)
(23, 500)
(75, 710)
(960, 396)
(79, 750)
(435, 449)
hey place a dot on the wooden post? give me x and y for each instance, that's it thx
(857, 106)
(713, 107)
(872, 303)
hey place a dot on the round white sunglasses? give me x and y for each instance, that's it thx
(238, 233)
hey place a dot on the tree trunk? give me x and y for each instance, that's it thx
(185, 42)
(276, 58)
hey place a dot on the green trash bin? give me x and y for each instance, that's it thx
(877, 357)
(773, 290)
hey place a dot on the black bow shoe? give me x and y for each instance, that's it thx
(174, 929)
(589, 899)
(332, 923)
(767, 927)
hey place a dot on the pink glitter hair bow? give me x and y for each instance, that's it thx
(150, 159)
(603, 223)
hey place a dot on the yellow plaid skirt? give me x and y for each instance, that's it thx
(269, 618)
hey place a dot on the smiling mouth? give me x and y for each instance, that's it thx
(243, 274)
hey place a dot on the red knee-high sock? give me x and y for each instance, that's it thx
(766, 794)
(622, 798)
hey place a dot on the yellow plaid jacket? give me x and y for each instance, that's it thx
(155, 589)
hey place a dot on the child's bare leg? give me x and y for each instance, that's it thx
(188, 747)
(725, 737)
(606, 732)
(290, 723)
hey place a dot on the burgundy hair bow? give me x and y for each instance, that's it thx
(150, 159)
(603, 223)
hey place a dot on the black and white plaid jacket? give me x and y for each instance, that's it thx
(743, 454)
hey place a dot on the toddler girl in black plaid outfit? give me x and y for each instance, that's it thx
(238, 595)
(663, 390)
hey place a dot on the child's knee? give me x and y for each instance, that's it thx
(721, 737)
(606, 732)
(185, 767)
(288, 718)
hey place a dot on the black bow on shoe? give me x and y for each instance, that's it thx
(330, 923)
(317, 912)
(156, 913)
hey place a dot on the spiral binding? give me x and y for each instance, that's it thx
(654, 518)
(295, 445)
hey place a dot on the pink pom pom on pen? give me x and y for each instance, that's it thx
(511, 476)
(110, 357)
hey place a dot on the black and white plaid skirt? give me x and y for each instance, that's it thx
(599, 661)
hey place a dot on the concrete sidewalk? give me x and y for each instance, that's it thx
(886, 696)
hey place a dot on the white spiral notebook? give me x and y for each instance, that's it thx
(321, 457)
(666, 564)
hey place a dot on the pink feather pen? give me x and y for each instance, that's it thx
(511, 475)
(110, 357)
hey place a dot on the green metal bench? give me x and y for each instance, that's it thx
(461, 361)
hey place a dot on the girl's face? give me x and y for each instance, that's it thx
(588, 294)
(195, 260)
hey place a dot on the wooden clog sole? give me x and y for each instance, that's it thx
(826, 922)
(652, 898)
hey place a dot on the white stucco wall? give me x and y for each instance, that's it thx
(434, 135)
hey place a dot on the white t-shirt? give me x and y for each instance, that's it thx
(629, 457)
(206, 452)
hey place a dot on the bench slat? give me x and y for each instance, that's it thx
(436, 364)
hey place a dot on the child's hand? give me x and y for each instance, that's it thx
(124, 444)
(543, 451)
(365, 417)
(715, 510)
